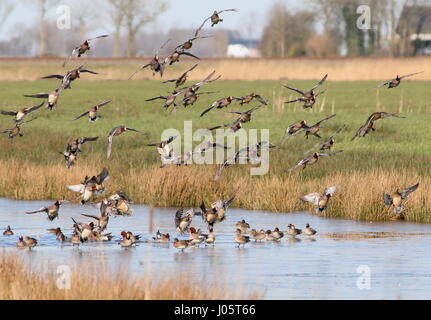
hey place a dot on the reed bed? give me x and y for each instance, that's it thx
(94, 282)
(360, 195)
(340, 69)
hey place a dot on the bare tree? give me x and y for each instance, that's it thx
(43, 6)
(286, 34)
(6, 8)
(134, 14)
(116, 15)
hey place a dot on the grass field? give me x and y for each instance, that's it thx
(396, 155)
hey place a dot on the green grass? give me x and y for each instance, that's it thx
(397, 144)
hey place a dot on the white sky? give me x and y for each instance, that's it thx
(180, 13)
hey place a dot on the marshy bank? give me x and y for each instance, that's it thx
(94, 281)
(360, 194)
(396, 155)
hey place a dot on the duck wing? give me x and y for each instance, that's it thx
(407, 191)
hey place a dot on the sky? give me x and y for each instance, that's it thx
(180, 13)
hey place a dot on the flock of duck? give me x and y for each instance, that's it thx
(119, 204)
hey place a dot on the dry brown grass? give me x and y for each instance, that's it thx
(340, 69)
(359, 197)
(18, 283)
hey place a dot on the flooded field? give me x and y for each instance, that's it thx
(345, 260)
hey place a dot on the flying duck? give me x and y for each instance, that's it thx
(308, 97)
(52, 97)
(320, 201)
(181, 79)
(52, 210)
(155, 64)
(92, 112)
(82, 49)
(393, 83)
(312, 160)
(70, 76)
(397, 200)
(116, 132)
(16, 131)
(21, 113)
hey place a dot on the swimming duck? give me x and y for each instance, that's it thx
(181, 244)
(102, 221)
(210, 238)
(155, 64)
(8, 231)
(16, 131)
(52, 97)
(369, 124)
(243, 226)
(308, 97)
(221, 103)
(58, 234)
(126, 241)
(393, 83)
(309, 231)
(291, 230)
(314, 129)
(82, 49)
(52, 210)
(258, 235)
(320, 201)
(312, 160)
(134, 237)
(70, 76)
(215, 18)
(161, 237)
(248, 98)
(75, 239)
(85, 231)
(269, 236)
(30, 242)
(397, 200)
(196, 237)
(21, 113)
(92, 112)
(116, 132)
(241, 239)
(20, 243)
(277, 234)
(183, 219)
(91, 186)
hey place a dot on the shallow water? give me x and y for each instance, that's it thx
(396, 254)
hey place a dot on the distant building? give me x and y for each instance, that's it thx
(239, 47)
(414, 27)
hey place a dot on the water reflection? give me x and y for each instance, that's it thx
(320, 267)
